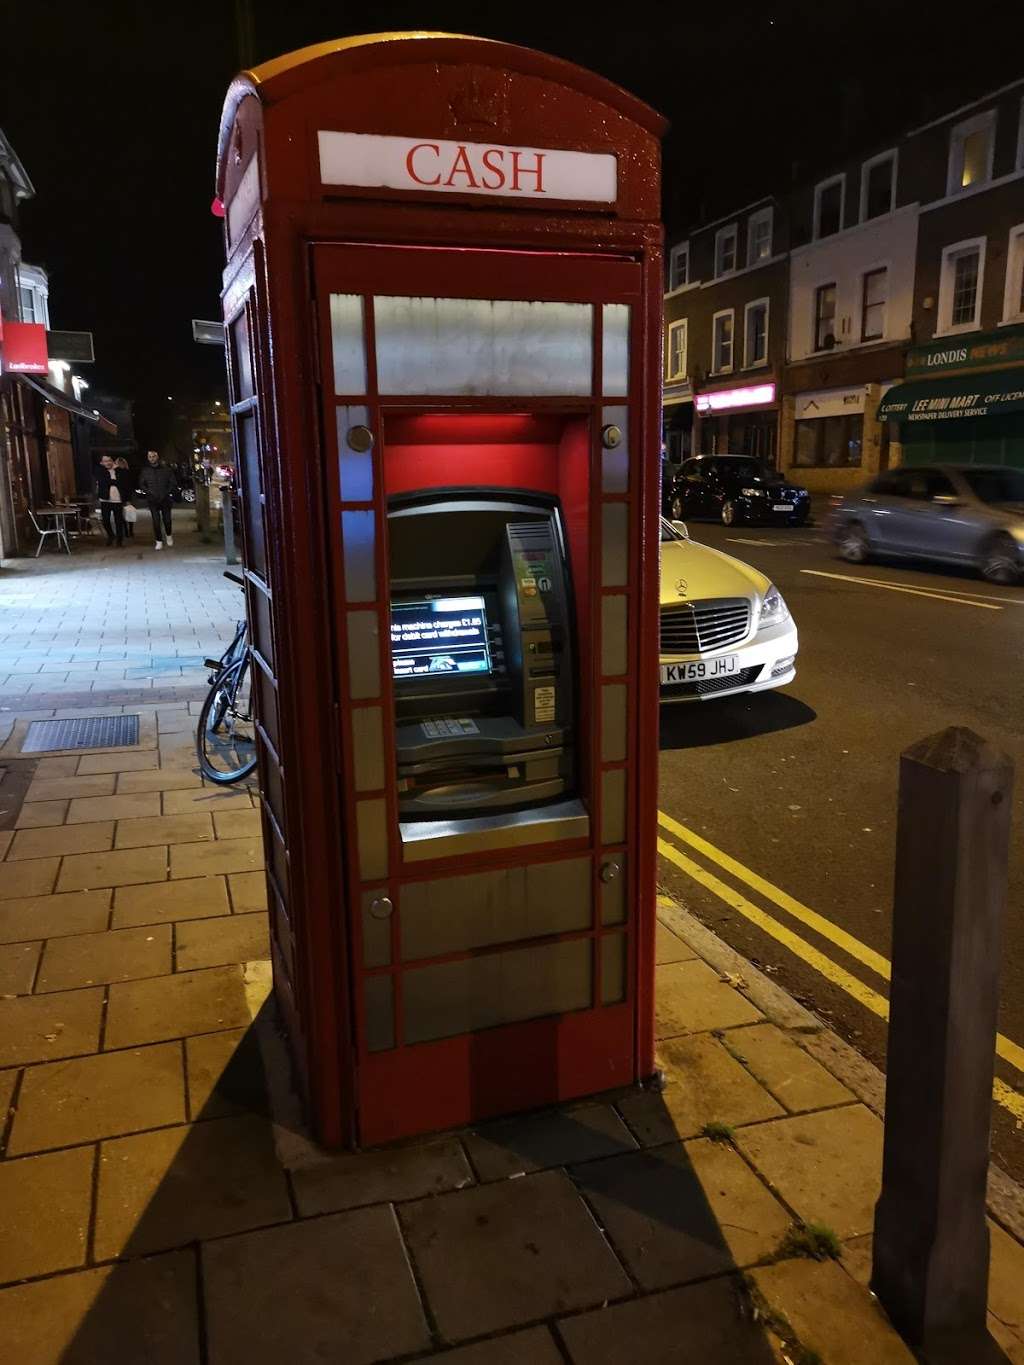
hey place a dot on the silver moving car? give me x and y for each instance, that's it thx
(960, 514)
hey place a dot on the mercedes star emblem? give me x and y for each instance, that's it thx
(681, 586)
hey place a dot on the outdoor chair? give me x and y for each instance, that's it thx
(59, 529)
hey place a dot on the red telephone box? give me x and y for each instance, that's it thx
(443, 311)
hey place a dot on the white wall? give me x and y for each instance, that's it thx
(845, 258)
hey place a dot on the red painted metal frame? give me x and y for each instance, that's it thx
(272, 114)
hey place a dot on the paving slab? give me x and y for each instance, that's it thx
(161, 902)
(238, 824)
(106, 1095)
(791, 1074)
(98, 959)
(132, 806)
(669, 947)
(555, 1138)
(706, 1324)
(509, 1253)
(831, 1313)
(63, 765)
(231, 938)
(385, 1176)
(29, 917)
(18, 962)
(8, 1080)
(44, 1212)
(223, 855)
(113, 1315)
(38, 813)
(32, 878)
(371, 1311)
(535, 1346)
(167, 1188)
(41, 1028)
(225, 1074)
(163, 829)
(124, 867)
(690, 997)
(166, 1007)
(1006, 1280)
(827, 1166)
(187, 800)
(683, 1212)
(118, 763)
(157, 780)
(703, 1084)
(67, 788)
(248, 891)
(92, 837)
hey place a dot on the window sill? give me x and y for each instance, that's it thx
(720, 374)
(1015, 321)
(961, 329)
(757, 365)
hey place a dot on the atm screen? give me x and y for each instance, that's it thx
(445, 635)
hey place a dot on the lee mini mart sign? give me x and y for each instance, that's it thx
(988, 351)
(373, 161)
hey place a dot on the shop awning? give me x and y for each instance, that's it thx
(64, 400)
(963, 395)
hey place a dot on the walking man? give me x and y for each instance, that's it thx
(157, 481)
(113, 487)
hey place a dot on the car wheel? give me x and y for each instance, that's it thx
(854, 544)
(1000, 562)
(676, 508)
(730, 515)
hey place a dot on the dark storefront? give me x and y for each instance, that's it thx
(963, 401)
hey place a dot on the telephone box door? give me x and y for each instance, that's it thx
(495, 944)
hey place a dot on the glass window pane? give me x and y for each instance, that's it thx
(482, 346)
(879, 191)
(975, 157)
(347, 343)
(355, 467)
(965, 287)
(357, 538)
(615, 348)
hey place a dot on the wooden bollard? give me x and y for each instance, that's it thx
(931, 1245)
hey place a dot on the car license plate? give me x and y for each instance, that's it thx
(781, 507)
(700, 669)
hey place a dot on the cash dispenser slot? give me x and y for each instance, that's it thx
(483, 660)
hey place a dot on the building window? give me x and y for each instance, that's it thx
(679, 266)
(721, 342)
(824, 317)
(828, 206)
(874, 297)
(971, 146)
(755, 334)
(676, 353)
(28, 305)
(1013, 298)
(759, 236)
(725, 250)
(878, 186)
(1019, 163)
(830, 442)
(960, 283)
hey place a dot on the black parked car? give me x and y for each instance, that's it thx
(732, 489)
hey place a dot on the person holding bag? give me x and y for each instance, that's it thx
(130, 514)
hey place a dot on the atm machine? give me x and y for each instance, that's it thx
(442, 318)
(484, 659)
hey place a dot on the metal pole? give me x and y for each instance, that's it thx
(931, 1246)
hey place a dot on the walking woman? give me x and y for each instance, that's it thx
(129, 502)
(113, 488)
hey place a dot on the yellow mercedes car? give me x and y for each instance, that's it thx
(725, 628)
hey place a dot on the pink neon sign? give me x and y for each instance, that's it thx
(735, 398)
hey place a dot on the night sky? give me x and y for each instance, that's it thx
(113, 109)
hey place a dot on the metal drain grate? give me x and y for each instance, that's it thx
(87, 732)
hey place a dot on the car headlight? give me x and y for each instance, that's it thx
(773, 608)
(752, 492)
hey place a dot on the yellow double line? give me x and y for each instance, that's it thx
(1008, 1050)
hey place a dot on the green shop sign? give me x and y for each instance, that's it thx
(985, 352)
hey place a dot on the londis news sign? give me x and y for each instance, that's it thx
(986, 350)
(373, 161)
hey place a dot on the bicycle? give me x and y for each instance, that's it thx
(225, 731)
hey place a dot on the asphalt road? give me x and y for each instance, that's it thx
(799, 785)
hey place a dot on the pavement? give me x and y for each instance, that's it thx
(159, 1198)
(783, 805)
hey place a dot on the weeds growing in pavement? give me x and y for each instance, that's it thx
(718, 1132)
(814, 1240)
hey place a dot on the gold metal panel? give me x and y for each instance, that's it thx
(363, 654)
(613, 806)
(613, 722)
(368, 748)
(614, 635)
(372, 836)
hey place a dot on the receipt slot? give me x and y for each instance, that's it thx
(442, 317)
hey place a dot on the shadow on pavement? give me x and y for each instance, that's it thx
(697, 725)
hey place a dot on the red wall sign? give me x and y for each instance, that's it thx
(24, 348)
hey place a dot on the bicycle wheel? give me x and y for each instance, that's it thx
(226, 733)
